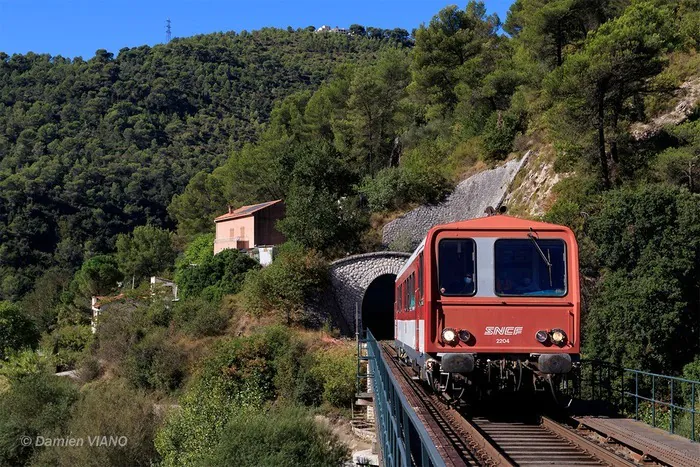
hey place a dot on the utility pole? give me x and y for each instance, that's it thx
(167, 30)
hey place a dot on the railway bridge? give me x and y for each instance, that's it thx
(416, 428)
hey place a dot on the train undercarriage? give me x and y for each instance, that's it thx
(463, 379)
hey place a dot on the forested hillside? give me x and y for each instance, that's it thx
(111, 170)
(92, 148)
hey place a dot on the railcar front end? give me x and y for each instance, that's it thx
(491, 305)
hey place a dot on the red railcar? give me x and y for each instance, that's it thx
(490, 304)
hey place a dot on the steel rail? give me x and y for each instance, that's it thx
(561, 443)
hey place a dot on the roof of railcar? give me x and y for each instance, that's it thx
(499, 222)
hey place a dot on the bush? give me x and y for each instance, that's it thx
(155, 363)
(19, 364)
(38, 404)
(118, 330)
(200, 317)
(284, 287)
(240, 372)
(294, 379)
(499, 134)
(110, 409)
(335, 367)
(16, 331)
(647, 242)
(219, 275)
(395, 188)
(67, 344)
(286, 436)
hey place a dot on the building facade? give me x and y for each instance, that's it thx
(249, 227)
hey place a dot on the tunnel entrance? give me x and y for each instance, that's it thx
(378, 307)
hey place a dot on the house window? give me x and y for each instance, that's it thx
(242, 232)
(232, 233)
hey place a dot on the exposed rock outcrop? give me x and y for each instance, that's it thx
(689, 93)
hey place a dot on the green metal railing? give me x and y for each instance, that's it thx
(666, 402)
(403, 438)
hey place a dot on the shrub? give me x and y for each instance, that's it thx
(200, 317)
(413, 182)
(238, 373)
(16, 331)
(284, 287)
(335, 367)
(294, 380)
(113, 409)
(221, 274)
(67, 344)
(38, 404)
(118, 329)
(285, 436)
(647, 242)
(19, 364)
(155, 363)
(499, 134)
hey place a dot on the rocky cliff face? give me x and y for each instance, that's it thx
(468, 201)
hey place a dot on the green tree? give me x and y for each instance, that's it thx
(644, 314)
(612, 68)
(147, 251)
(16, 330)
(98, 276)
(448, 51)
(357, 29)
(202, 200)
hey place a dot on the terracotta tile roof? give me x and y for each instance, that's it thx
(245, 211)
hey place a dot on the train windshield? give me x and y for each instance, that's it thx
(532, 267)
(456, 267)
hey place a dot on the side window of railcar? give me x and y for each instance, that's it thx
(412, 292)
(530, 267)
(399, 309)
(456, 266)
(420, 278)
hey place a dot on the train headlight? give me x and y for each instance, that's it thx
(449, 335)
(542, 336)
(558, 336)
(464, 335)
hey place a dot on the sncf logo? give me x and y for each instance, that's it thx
(503, 331)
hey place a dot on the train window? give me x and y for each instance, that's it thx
(456, 269)
(420, 278)
(398, 299)
(530, 267)
(412, 292)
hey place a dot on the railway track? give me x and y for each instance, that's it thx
(494, 439)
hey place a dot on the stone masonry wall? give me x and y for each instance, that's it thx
(467, 201)
(351, 276)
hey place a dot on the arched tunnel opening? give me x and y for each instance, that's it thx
(378, 307)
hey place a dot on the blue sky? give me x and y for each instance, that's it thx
(79, 27)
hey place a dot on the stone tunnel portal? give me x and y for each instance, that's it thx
(378, 307)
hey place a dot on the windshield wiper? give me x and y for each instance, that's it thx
(546, 259)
